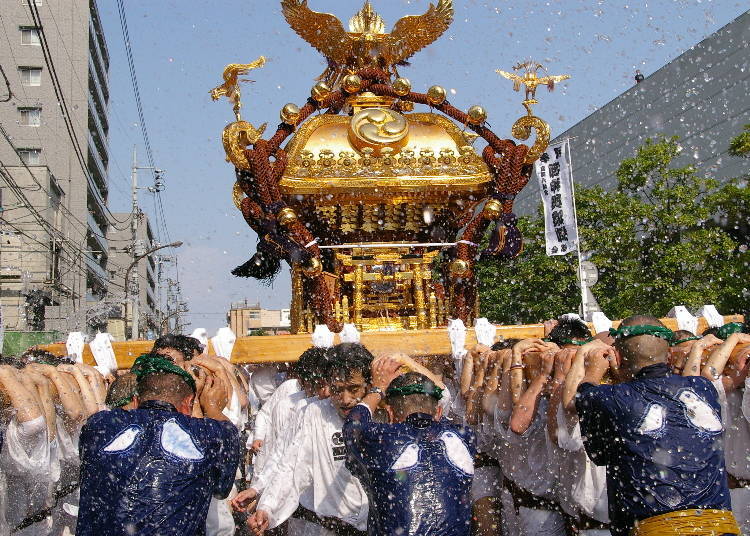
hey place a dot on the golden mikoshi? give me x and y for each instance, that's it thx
(361, 178)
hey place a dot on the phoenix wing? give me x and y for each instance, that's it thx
(553, 79)
(511, 76)
(413, 33)
(322, 30)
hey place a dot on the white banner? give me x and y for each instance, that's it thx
(556, 188)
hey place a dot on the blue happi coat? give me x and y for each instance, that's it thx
(660, 437)
(152, 471)
(417, 473)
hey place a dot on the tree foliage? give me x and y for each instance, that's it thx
(656, 239)
(740, 144)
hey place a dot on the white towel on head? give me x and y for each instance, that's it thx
(485, 332)
(322, 337)
(457, 335)
(349, 333)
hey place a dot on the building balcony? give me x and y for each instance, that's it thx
(95, 49)
(96, 119)
(101, 91)
(97, 232)
(95, 26)
(99, 171)
(95, 269)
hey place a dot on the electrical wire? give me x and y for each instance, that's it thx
(7, 85)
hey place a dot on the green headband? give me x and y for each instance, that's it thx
(153, 364)
(577, 343)
(415, 389)
(623, 332)
(728, 329)
(120, 402)
(686, 339)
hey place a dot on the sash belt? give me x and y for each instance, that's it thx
(695, 521)
(333, 524)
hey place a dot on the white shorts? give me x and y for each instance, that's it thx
(487, 482)
(300, 527)
(540, 522)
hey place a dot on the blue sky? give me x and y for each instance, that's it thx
(181, 48)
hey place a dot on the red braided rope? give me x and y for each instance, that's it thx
(509, 172)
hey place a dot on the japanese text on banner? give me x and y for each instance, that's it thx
(556, 188)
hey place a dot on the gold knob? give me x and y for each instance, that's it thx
(477, 115)
(286, 217)
(312, 267)
(351, 83)
(401, 86)
(290, 114)
(493, 209)
(320, 91)
(459, 267)
(436, 95)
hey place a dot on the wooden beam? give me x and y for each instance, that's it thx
(285, 348)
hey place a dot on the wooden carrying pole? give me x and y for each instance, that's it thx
(285, 348)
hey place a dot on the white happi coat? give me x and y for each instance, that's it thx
(285, 438)
(735, 412)
(583, 485)
(30, 466)
(313, 473)
(271, 418)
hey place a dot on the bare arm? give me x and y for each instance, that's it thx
(525, 409)
(22, 400)
(38, 386)
(473, 401)
(87, 393)
(69, 398)
(214, 398)
(692, 366)
(714, 367)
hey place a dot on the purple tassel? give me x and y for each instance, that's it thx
(506, 241)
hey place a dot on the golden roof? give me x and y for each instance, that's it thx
(380, 152)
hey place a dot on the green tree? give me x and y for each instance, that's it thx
(655, 239)
(740, 144)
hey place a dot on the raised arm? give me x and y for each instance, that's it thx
(88, 398)
(476, 389)
(517, 365)
(22, 400)
(714, 367)
(578, 371)
(692, 365)
(526, 407)
(69, 398)
(563, 362)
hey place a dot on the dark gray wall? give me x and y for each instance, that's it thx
(703, 96)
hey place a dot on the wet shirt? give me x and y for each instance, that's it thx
(660, 438)
(312, 473)
(418, 473)
(152, 471)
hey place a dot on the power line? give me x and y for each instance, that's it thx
(7, 85)
(33, 177)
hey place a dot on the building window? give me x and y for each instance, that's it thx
(30, 117)
(30, 35)
(31, 76)
(31, 157)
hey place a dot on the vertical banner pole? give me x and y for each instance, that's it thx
(584, 305)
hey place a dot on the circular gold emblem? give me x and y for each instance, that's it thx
(378, 128)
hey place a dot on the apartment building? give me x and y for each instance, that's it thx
(247, 318)
(53, 171)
